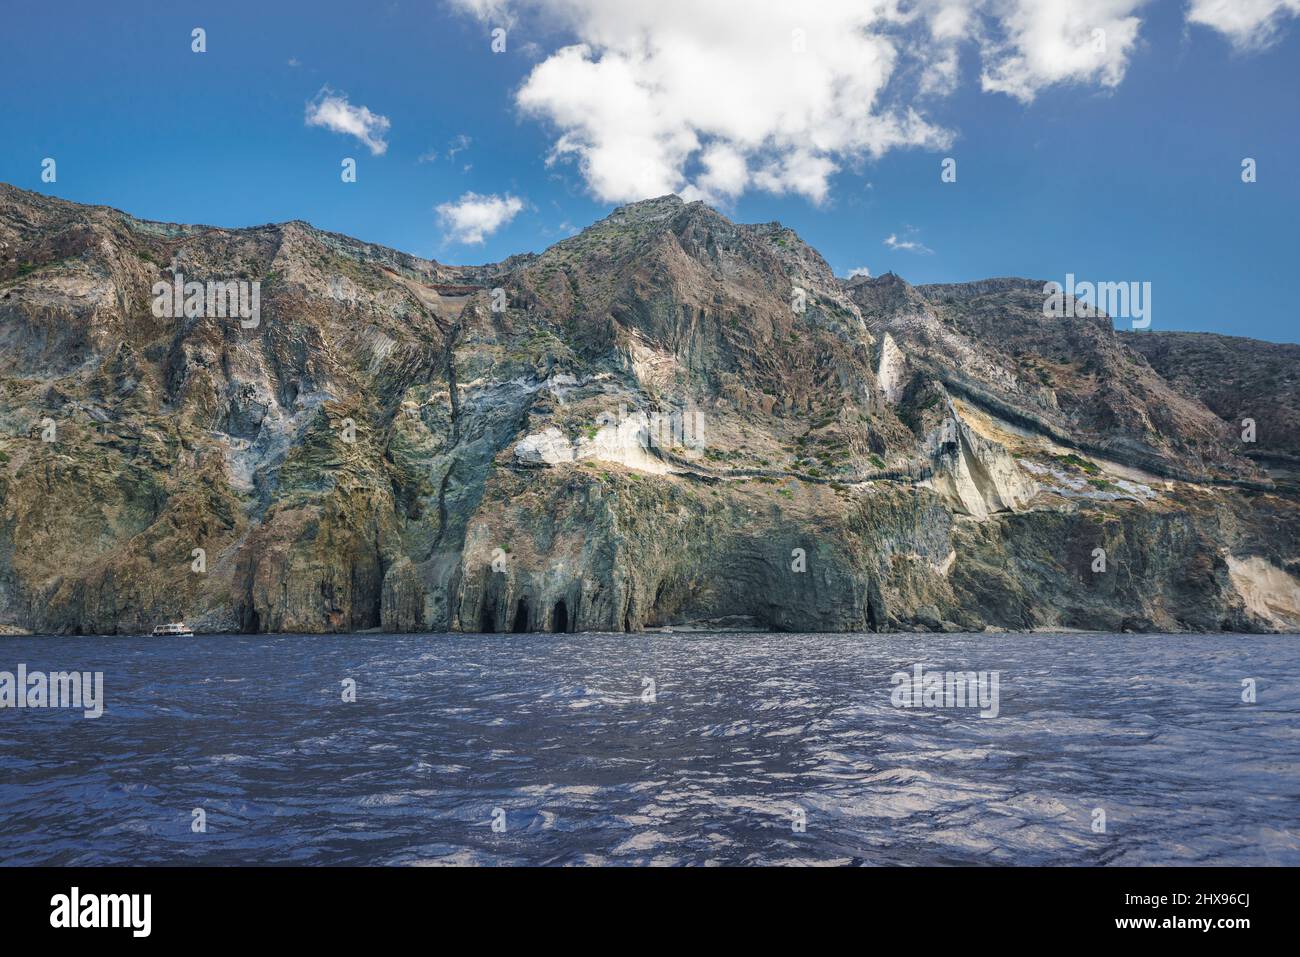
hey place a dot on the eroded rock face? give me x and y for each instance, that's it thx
(892, 371)
(676, 420)
(1269, 593)
(974, 475)
(1253, 386)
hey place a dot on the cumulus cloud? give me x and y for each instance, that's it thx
(713, 98)
(949, 24)
(1045, 42)
(1247, 23)
(860, 271)
(724, 174)
(333, 111)
(709, 98)
(474, 217)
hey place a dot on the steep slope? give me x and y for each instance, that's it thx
(666, 420)
(1073, 379)
(1242, 381)
(693, 307)
(185, 433)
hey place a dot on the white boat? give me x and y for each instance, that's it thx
(177, 629)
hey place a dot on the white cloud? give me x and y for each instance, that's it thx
(949, 23)
(1247, 23)
(1045, 42)
(906, 245)
(474, 217)
(859, 271)
(333, 111)
(725, 175)
(494, 10)
(711, 98)
(459, 143)
(797, 171)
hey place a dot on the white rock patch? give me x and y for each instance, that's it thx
(1268, 591)
(622, 443)
(976, 475)
(891, 371)
(545, 448)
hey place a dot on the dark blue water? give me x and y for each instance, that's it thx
(745, 733)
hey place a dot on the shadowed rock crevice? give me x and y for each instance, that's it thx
(487, 618)
(521, 616)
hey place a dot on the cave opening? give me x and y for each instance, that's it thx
(560, 617)
(487, 619)
(521, 616)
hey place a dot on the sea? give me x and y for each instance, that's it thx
(657, 749)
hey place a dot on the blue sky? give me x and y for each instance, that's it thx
(1123, 168)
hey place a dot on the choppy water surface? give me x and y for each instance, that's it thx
(744, 729)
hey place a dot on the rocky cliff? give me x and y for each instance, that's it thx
(666, 420)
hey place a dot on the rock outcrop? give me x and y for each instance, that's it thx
(668, 419)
